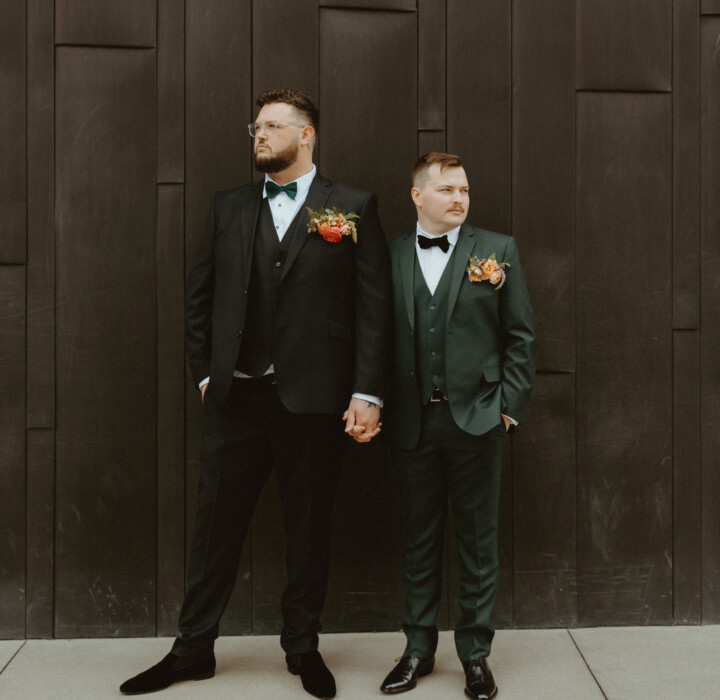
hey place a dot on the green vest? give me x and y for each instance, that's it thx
(430, 318)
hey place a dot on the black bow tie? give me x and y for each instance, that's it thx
(272, 189)
(441, 242)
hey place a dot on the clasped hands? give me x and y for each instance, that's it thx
(362, 420)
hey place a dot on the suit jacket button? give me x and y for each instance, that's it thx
(412, 374)
(239, 333)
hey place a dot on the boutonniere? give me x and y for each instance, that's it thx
(332, 224)
(487, 269)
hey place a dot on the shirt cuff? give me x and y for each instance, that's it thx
(512, 420)
(203, 382)
(372, 399)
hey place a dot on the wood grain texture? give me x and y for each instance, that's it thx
(300, 46)
(13, 197)
(12, 451)
(106, 359)
(624, 45)
(543, 171)
(429, 141)
(358, 148)
(710, 7)
(710, 305)
(544, 503)
(431, 64)
(40, 521)
(40, 216)
(479, 104)
(624, 359)
(171, 92)
(105, 22)
(687, 479)
(170, 408)
(686, 164)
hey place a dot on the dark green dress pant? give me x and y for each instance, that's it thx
(448, 462)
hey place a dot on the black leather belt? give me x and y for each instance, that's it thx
(437, 396)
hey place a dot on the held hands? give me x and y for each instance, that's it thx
(361, 420)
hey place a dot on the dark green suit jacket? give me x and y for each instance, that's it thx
(489, 343)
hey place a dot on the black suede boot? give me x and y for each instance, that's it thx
(170, 670)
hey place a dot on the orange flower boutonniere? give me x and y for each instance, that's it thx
(487, 269)
(332, 224)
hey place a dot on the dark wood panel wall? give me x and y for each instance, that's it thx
(590, 131)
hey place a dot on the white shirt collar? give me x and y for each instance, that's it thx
(452, 235)
(303, 183)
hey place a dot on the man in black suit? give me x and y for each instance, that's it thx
(287, 322)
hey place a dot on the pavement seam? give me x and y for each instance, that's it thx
(10, 660)
(582, 656)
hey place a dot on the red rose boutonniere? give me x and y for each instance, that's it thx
(487, 269)
(332, 224)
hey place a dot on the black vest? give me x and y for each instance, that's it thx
(269, 256)
(430, 318)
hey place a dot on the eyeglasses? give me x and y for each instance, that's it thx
(271, 127)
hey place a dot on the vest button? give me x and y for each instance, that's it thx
(239, 333)
(412, 374)
(432, 330)
(432, 307)
(435, 376)
(278, 264)
(433, 353)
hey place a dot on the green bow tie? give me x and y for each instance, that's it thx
(272, 189)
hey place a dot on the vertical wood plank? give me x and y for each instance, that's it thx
(431, 65)
(686, 164)
(218, 105)
(39, 517)
(543, 170)
(105, 22)
(171, 91)
(544, 477)
(13, 202)
(40, 216)
(624, 45)
(687, 474)
(624, 359)
(12, 451)
(479, 105)
(299, 65)
(428, 141)
(710, 7)
(357, 147)
(710, 305)
(171, 409)
(106, 358)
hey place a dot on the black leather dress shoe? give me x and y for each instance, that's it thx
(314, 674)
(170, 670)
(404, 676)
(479, 681)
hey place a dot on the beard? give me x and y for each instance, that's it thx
(275, 162)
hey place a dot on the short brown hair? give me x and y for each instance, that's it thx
(300, 100)
(423, 163)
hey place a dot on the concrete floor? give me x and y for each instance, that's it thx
(646, 663)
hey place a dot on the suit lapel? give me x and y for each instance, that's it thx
(317, 196)
(249, 217)
(466, 243)
(407, 274)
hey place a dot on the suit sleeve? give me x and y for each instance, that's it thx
(199, 289)
(372, 303)
(518, 327)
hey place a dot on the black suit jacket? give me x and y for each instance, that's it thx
(332, 322)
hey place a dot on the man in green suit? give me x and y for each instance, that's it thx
(463, 371)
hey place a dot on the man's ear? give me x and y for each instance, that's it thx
(308, 134)
(416, 195)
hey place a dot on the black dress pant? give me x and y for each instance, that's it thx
(243, 441)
